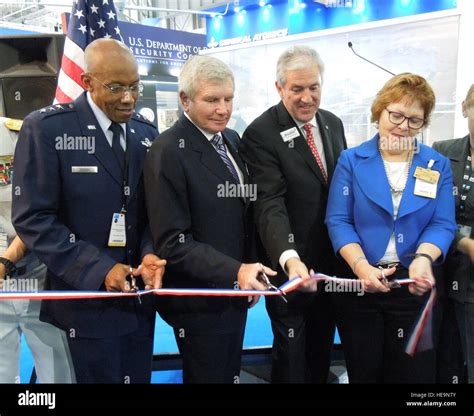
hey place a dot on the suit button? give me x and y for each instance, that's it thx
(130, 251)
(129, 227)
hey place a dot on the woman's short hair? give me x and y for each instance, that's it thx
(297, 57)
(407, 86)
(202, 67)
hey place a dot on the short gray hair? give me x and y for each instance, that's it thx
(202, 67)
(297, 57)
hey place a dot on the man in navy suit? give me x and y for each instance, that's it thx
(198, 199)
(78, 204)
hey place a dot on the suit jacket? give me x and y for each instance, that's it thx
(292, 194)
(64, 216)
(203, 234)
(458, 267)
(360, 208)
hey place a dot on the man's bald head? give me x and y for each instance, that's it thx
(104, 53)
(110, 67)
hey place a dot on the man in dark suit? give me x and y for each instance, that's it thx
(291, 151)
(78, 204)
(198, 199)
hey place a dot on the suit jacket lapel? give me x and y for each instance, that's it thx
(301, 146)
(103, 151)
(411, 202)
(233, 149)
(209, 157)
(457, 155)
(371, 176)
(327, 143)
(135, 155)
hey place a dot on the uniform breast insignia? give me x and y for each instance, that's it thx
(6, 170)
(146, 142)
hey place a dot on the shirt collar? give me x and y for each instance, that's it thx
(102, 119)
(208, 135)
(300, 124)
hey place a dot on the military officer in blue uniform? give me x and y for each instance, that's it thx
(78, 204)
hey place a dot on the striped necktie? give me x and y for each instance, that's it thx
(314, 150)
(218, 143)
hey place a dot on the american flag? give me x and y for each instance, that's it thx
(89, 20)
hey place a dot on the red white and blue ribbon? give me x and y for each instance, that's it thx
(421, 338)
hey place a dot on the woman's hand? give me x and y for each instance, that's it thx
(371, 277)
(420, 270)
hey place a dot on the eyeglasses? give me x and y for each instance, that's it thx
(120, 89)
(399, 118)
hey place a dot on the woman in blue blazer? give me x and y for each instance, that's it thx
(390, 214)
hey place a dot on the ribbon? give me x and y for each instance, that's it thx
(421, 338)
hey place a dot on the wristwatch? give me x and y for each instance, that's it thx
(9, 266)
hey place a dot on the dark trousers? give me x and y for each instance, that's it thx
(450, 362)
(374, 330)
(116, 360)
(465, 318)
(210, 358)
(303, 335)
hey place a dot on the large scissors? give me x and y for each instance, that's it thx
(263, 278)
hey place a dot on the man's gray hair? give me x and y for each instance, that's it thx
(202, 67)
(297, 57)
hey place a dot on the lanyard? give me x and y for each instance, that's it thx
(467, 183)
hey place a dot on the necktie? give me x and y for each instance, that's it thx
(312, 146)
(116, 146)
(218, 143)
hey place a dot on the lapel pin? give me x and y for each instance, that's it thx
(91, 127)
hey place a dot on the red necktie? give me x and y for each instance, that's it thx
(312, 146)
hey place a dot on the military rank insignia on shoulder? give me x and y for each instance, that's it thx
(139, 117)
(56, 109)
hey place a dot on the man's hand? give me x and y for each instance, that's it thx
(295, 267)
(151, 270)
(115, 281)
(247, 278)
(3, 271)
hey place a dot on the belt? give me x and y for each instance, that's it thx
(388, 265)
(22, 270)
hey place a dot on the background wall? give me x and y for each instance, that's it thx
(427, 47)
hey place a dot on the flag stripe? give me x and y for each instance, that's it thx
(89, 20)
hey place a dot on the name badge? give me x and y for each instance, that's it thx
(427, 175)
(465, 230)
(426, 181)
(84, 169)
(118, 236)
(289, 134)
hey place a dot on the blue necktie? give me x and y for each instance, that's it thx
(116, 146)
(218, 143)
